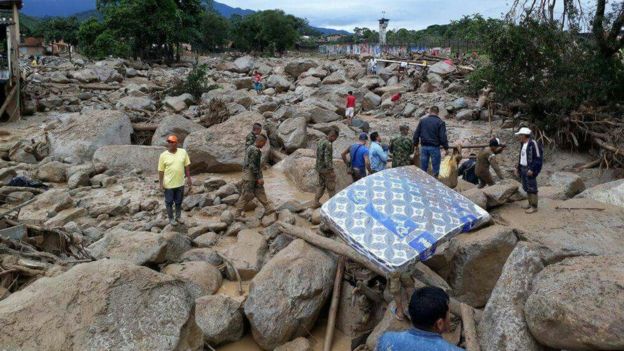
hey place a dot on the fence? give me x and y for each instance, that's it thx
(436, 48)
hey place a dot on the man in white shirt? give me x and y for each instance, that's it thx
(529, 166)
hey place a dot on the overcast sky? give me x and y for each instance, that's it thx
(348, 14)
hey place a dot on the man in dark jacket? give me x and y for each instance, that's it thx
(430, 134)
(467, 169)
(529, 166)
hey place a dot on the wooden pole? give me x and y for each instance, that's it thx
(470, 331)
(346, 251)
(333, 309)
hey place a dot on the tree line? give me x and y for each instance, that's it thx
(158, 29)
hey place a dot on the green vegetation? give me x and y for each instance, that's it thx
(56, 29)
(270, 30)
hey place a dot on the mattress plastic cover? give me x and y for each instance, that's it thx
(399, 216)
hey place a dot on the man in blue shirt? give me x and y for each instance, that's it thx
(430, 315)
(430, 134)
(358, 161)
(377, 154)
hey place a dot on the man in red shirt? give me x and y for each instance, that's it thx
(350, 111)
(395, 98)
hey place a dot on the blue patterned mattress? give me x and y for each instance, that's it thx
(397, 217)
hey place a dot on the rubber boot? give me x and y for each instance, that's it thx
(170, 214)
(533, 203)
(178, 214)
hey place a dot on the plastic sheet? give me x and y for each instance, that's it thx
(398, 216)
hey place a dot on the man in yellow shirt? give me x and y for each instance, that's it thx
(173, 165)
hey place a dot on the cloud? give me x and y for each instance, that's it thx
(348, 14)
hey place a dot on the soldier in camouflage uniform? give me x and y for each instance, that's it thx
(253, 183)
(325, 167)
(251, 137)
(401, 148)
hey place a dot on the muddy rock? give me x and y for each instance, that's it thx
(336, 95)
(280, 83)
(80, 135)
(209, 151)
(65, 216)
(205, 240)
(315, 114)
(78, 179)
(337, 77)
(309, 82)
(247, 254)
(243, 64)
(299, 344)
(292, 133)
(300, 169)
(503, 326)
(243, 83)
(202, 254)
(201, 277)
(577, 304)
(476, 261)
(137, 247)
(136, 103)
(499, 193)
(125, 157)
(220, 318)
(52, 201)
(287, 295)
(212, 184)
(610, 193)
(570, 183)
(179, 103)
(297, 67)
(371, 101)
(108, 304)
(54, 172)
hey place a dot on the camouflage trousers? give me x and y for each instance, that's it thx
(327, 180)
(250, 190)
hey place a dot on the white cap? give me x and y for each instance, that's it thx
(524, 131)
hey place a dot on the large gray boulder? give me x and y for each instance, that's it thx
(247, 254)
(220, 319)
(315, 114)
(85, 75)
(503, 326)
(140, 248)
(292, 133)
(300, 168)
(80, 135)
(337, 94)
(371, 101)
(176, 125)
(129, 157)
(610, 193)
(569, 183)
(101, 305)
(55, 172)
(337, 77)
(179, 103)
(221, 148)
(279, 83)
(297, 67)
(499, 193)
(201, 277)
(578, 304)
(285, 298)
(243, 64)
(52, 201)
(135, 103)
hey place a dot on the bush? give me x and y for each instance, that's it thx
(196, 83)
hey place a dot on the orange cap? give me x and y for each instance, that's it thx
(172, 139)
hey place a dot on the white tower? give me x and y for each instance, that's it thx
(383, 26)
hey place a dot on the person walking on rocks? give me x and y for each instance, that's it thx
(253, 181)
(430, 134)
(377, 154)
(401, 148)
(529, 166)
(486, 159)
(173, 165)
(257, 82)
(325, 167)
(251, 137)
(358, 158)
(431, 317)
(350, 110)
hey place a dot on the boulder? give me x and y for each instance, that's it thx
(85, 76)
(58, 77)
(476, 261)
(299, 344)
(609, 193)
(300, 169)
(243, 64)
(243, 83)
(80, 135)
(279, 83)
(247, 254)
(201, 277)
(371, 82)
(220, 319)
(55, 172)
(202, 254)
(570, 183)
(292, 133)
(221, 148)
(128, 157)
(286, 296)
(135, 103)
(179, 103)
(465, 115)
(296, 67)
(107, 74)
(442, 68)
(177, 125)
(578, 304)
(336, 95)
(371, 101)
(315, 114)
(140, 248)
(309, 82)
(499, 193)
(64, 217)
(101, 305)
(337, 77)
(204, 240)
(503, 326)
(52, 201)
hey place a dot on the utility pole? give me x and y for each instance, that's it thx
(383, 26)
